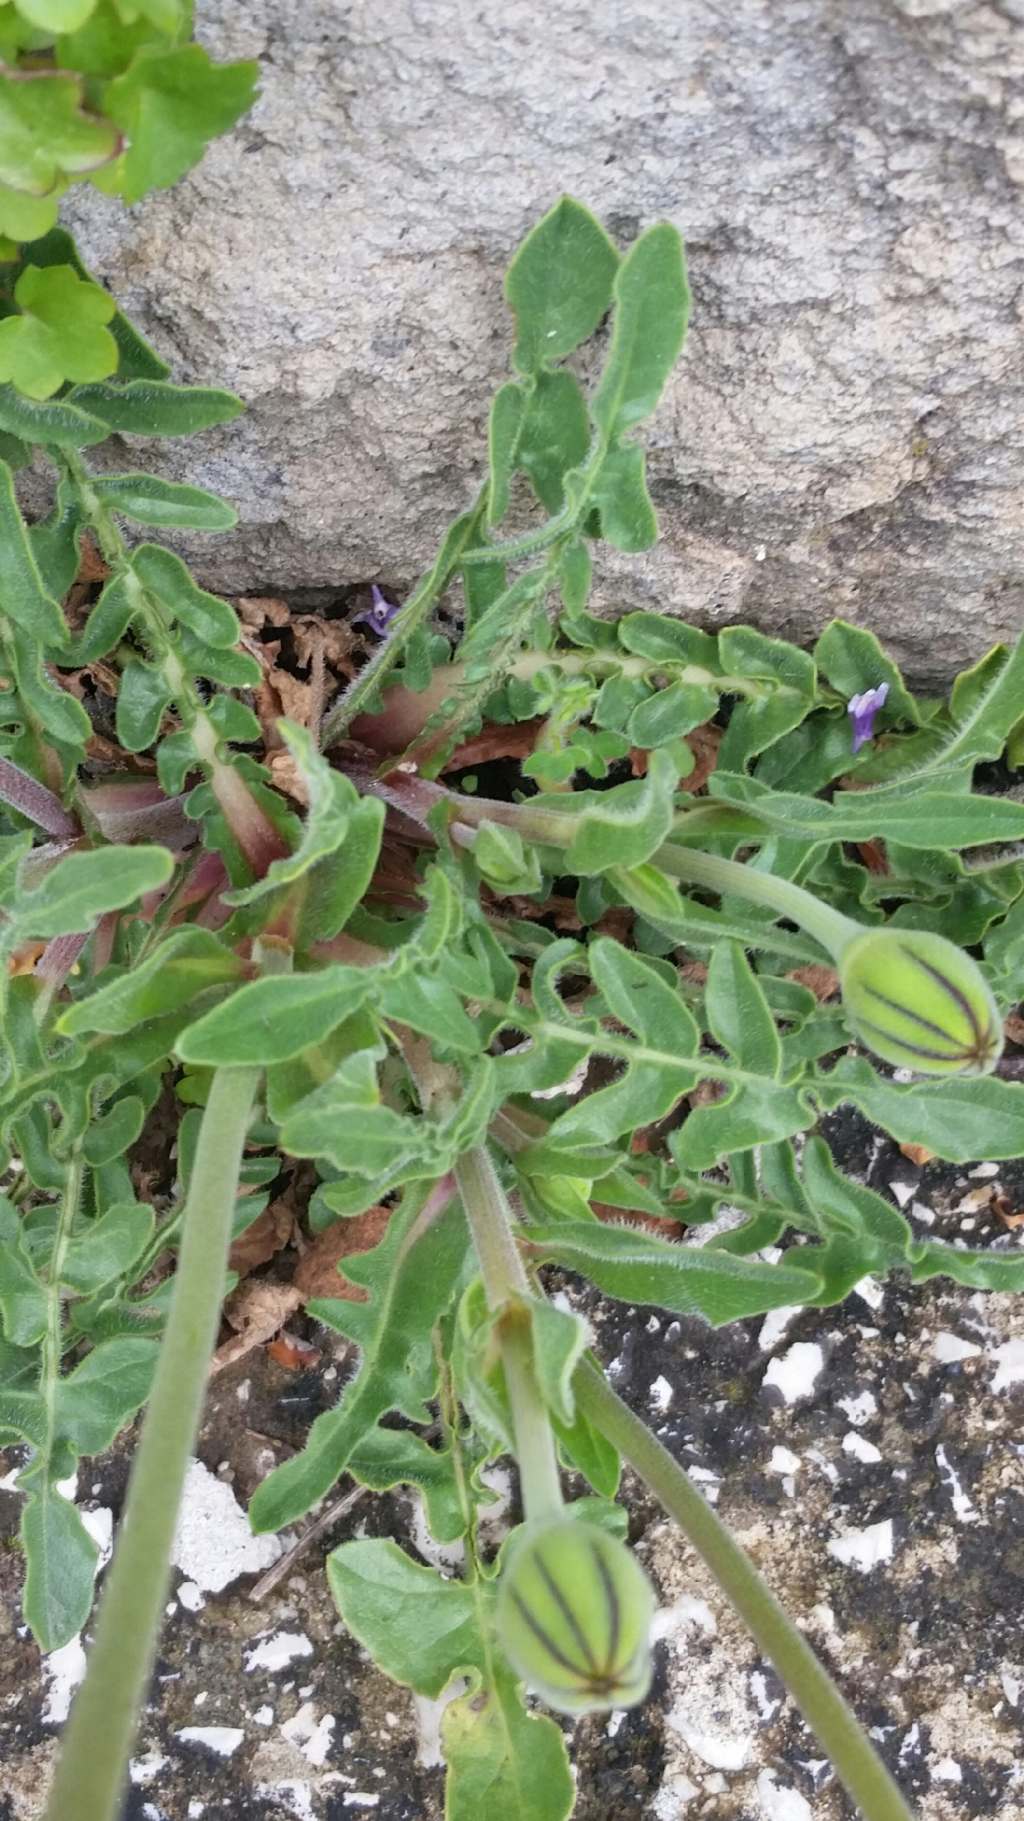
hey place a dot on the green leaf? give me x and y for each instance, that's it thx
(738, 1012)
(982, 1270)
(414, 1276)
(331, 799)
(345, 1122)
(82, 887)
(574, 573)
(22, 1300)
(418, 1627)
(24, 597)
(95, 1401)
(337, 884)
(502, 439)
(169, 504)
(635, 994)
(964, 1119)
(169, 104)
(151, 407)
(107, 1248)
(60, 333)
(275, 1018)
(559, 284)
(422, 1630)
(55, 542)
(504, 1762)
(432, 1007)
(27, 217)
(55, 15)
(111, 1136)
(136, 359)
(628, 519)
(145, 692)
(54, 421)
(917, 818)
(652, 303)
(554, 435)
(560, 1340)
(851, 1207)
(400, 1457)
(758, 722)
(635, 1266)
(670, 713)
(687, 921)
(60, 1558)
(44, 132)
(985, 707)
(186, 963)
(751, 1113)
(166, 577)
(668, 641)
(852, 660)
(619, 827)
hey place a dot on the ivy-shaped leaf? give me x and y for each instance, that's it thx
(169, 104)
(59, 334)
(44, 132)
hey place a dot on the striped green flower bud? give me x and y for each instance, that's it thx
(574, 1612)
(918, 1001)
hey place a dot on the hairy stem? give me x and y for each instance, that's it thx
(827, 926)
(413, 615)
(256, 836)
(94, 1757)
(507, 1285)
(856, 1763)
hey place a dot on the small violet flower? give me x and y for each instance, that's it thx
(378, 617)
(862, 710)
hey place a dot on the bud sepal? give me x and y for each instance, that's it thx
(574, 1614)
(920, 1002)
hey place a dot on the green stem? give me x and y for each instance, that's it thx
(855, 1761)
(413, 615)
(489, 1218)
(258, 839)
(94, 1756)
(508, 1288)
(53, 1340)
(827, 926)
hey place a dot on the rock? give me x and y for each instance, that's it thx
(844, 434)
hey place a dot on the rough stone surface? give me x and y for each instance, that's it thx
(845, 434)
(881, 1493)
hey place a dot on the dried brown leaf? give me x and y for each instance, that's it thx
(917, 1153)
(257, 1310)
(819, 979)
(293, 1354)
(317, 1274)
(269, 1232)
(515, 741)
(259, 610)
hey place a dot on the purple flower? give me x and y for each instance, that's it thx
(378, 617)
(862, 710)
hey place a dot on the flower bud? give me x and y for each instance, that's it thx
(918, 1001)
(574, 1612)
